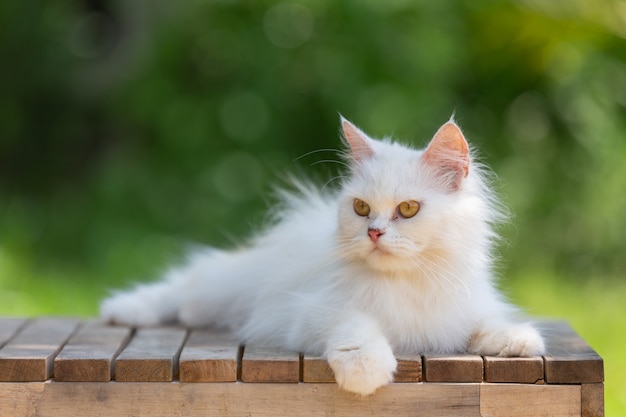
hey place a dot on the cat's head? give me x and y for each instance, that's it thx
(403, 210)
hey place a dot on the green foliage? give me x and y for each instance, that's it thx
(123, 120)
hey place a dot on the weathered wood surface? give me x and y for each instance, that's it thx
(513, 400)
(316, 369)
(29, 355)
(592, 399)
(569, 359)
(261, 364)
(409, 368)
(176, 371)
(90, 353)
(209, 356)
(521, 370)
(453, 368)
(234, 399)
(9, 327)
(151, 356)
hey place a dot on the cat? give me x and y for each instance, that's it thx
(397, 260)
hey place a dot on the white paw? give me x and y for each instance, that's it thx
(126, 308)
(363, 369)
(517, 340)
(523, 340)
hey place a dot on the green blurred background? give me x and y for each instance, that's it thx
(129, 130)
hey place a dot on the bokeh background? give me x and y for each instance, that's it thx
(132, 129)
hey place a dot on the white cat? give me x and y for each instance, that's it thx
(398, 260)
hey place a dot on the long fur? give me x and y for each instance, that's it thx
(315, 282)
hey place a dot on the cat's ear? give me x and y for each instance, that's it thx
(360, 145)
(448, 154)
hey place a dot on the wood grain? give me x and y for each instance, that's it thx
(9, 327)
(409, 368)
(569, 359)
(30, 354)
(89, 355)
(514, 370)
(316, 369)
(453, 368)
(592, 398)
(209, 356)
(513, 400)
(151, 356)
(235, 399)
(261, 364)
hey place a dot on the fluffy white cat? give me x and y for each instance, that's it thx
(397, 260)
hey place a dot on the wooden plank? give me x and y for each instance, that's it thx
(316, 369)
(209, 356)
(409, 368)
(515, 400)
(592, 398)
(260, 364)
(453, 368)
(235, 399)
(151, 356)
(30, 354)
(88, 356)
(9, 327)
(569, 359)
(514, 370)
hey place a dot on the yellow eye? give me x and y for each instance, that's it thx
(361, 207)
(408, 209)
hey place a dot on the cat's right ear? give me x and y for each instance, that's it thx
(359, 143)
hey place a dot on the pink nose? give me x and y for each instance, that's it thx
(375, 234)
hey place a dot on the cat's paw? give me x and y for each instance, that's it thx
(522, 340)
(128, 309)
(363, 369)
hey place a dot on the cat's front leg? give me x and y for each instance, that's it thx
(506, 338)
(360, 355)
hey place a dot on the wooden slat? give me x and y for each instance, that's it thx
(514, 370)
(30, 354)
(88, 356)
(209, 356)
(569, 359)
(409, 368)
(151, 356)
(260, 364)
(513, 400)
(235, 399)
(592, 398)
(316, 369)
(453, 368)
(9, 327)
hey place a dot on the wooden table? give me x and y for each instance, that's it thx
(52, 366)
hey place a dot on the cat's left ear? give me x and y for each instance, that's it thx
(448, 154)
(360, 145)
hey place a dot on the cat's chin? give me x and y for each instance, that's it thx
(384, 261)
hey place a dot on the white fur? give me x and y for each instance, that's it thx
(314, 281)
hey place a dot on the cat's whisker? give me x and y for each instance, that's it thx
(316, 151)
(335, 178)
(331, 161)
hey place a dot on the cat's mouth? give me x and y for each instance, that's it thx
(379, 250)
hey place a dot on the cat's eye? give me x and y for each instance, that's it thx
(361, 207)
(408, 209)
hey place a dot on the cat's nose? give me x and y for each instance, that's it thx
(374, 234)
